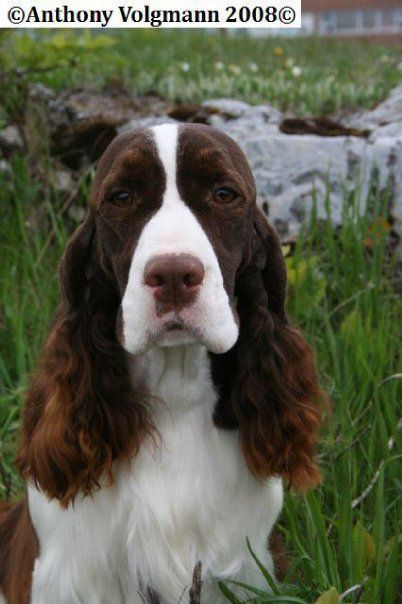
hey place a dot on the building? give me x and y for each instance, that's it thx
(374, 19)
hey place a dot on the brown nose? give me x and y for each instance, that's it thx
(174, 279)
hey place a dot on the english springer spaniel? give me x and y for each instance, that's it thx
(173, 396)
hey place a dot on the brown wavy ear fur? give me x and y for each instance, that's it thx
(267, 382)
(81, 412)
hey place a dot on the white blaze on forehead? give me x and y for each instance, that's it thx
(174, 229)
(166, 139)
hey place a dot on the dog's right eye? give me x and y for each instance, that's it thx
(121, 198)
(224, 195)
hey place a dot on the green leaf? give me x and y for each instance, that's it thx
(350, 327)
(263, 596)
(253, 590)
(229, 594)
(328, 597)
(270, 580)
(60, 41)
(364, 550)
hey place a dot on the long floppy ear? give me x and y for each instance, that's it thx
(267, 382)
(81, 411)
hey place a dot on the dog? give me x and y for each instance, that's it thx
(173, 399)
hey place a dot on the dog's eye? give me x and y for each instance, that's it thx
(121, 198)
(224, 195)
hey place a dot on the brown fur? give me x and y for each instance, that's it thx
(267, 382)
(82, 412)
(18, 550)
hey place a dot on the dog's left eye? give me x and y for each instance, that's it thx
(224, 195)
(121, 198)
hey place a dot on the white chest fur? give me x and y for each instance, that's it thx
(189, 498)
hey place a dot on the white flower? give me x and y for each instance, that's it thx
(253, 67)
(290, 62)
(235, 69)
(399, 67)
(219, 65)
(185, 67)
(296, 71)
(384, 59)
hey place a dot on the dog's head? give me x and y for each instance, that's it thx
(173, 251)
(172, 215)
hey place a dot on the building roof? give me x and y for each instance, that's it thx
(318, 6)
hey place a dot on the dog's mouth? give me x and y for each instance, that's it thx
(176, 325)
(176, 333)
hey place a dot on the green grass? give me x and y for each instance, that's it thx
(343, 294)
(193, 66)
(348, 532)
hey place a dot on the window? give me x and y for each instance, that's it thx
(397, 18)
(388, 17)
(346, 19)
(369, 18)
(327, 23)
(361, 21)
(307, 23)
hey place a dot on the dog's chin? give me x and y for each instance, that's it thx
(176, 337)
(180, 335)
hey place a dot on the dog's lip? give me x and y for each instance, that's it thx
(174, 323)
(174, 326)
(177, 324)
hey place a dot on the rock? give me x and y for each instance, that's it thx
(146, 122)
(11, 140)
(291, 170)
(357, 152)
(387, 112)
(230, 108)
(233, 109)
(390, 110)
(80, 123)
(64, 182)
(322, 126)
(76, 213)
(390, 132)
(190, 112)
(40, 92)
(5, 167)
